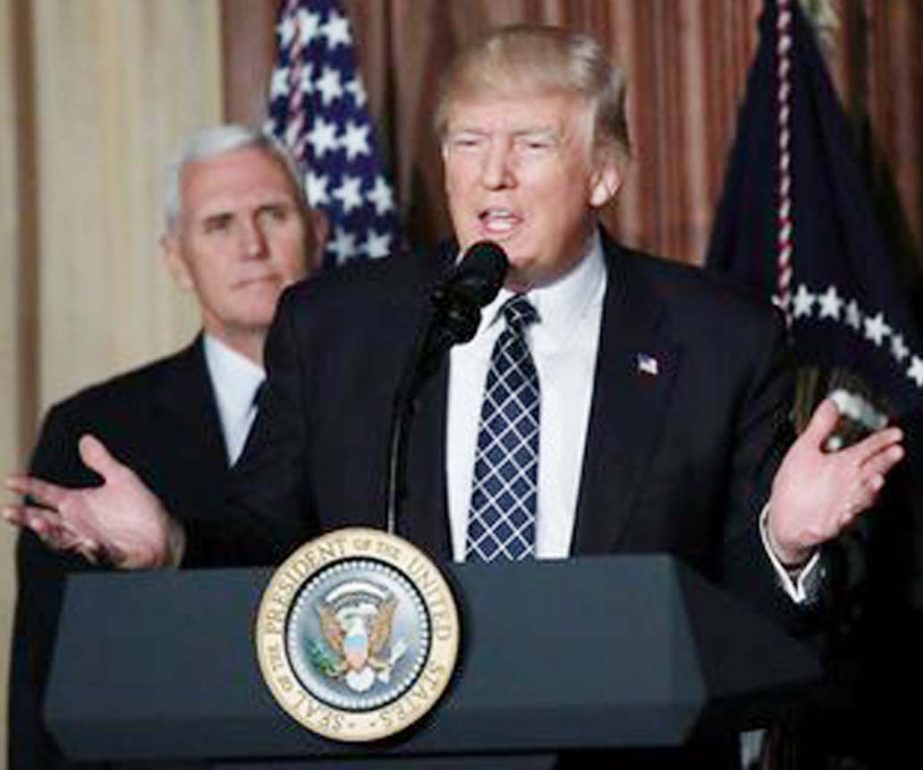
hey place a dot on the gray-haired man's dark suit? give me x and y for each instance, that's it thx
(163, 422)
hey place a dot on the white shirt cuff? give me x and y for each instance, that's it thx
(801, 584)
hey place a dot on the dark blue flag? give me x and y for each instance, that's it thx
(318, 110)
(797, 223)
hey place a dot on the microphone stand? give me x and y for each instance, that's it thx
(448, 324)
(454, 317)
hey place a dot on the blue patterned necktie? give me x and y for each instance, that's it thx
(504, 493)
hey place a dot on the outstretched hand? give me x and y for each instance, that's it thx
(120, 523)
(816, 495)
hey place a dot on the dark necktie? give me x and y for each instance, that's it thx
(259, 395)
(504, 494)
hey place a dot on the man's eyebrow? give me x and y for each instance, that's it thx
(467, 130)
(216, 214)
(224, 212)
(538, 132)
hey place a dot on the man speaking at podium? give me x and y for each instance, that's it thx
(649, 401)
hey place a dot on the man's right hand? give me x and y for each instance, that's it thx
(120, 523)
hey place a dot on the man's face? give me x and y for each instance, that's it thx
(241, 238)
(521, 171)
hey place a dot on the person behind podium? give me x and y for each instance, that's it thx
(238, 231)
(651, 398)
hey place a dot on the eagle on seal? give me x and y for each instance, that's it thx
(358, 639)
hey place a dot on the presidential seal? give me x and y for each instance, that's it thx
(357, 635)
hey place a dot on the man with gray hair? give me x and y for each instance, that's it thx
(651, 398)
(237, 232)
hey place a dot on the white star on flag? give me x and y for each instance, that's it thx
(899, 348)
(377, 245)
(279, 82)
(381, 196)
(915, 372)
(830, 304)
(329, 86)
(853, 315)
(323, 137)
(803, 302)
(336, 30)
(308, 24)
(317, 189)
(876, 329)
(348, 193)
(287, 30)
(343, 244)
(356, 140)
(355, 89)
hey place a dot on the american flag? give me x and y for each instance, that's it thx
(318, 110)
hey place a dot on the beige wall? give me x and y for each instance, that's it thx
(116, 86)
(9, 413)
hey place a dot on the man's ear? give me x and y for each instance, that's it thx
(319, 223)
(605, 183)
(172, 255)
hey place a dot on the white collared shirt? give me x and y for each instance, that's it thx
(564, 343)
(235, 380)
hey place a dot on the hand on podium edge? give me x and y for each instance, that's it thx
(816, 494)
(120, 523)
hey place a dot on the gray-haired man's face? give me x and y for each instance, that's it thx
(241, 238)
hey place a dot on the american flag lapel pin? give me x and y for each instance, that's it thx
(647, 365)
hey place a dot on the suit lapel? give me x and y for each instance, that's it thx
(635, 371)
(185, 399)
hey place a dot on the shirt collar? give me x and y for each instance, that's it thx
(234, 377)
(561, 304)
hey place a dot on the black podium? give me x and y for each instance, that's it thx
(601, 652)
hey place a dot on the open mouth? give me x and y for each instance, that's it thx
(497, 222)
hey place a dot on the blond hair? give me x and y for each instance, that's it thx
(535, 59)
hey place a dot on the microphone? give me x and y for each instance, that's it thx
(456, 314)
(458, 299)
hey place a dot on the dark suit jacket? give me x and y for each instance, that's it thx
(163, 422)
(678, 462)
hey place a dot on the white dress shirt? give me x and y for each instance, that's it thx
(564, 343)
(235, 380)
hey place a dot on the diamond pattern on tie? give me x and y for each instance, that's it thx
(504, 494)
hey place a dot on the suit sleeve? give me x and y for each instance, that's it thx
(269, 510)
(763, 434)
(41, 577)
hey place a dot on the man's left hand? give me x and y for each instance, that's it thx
(816, 495)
